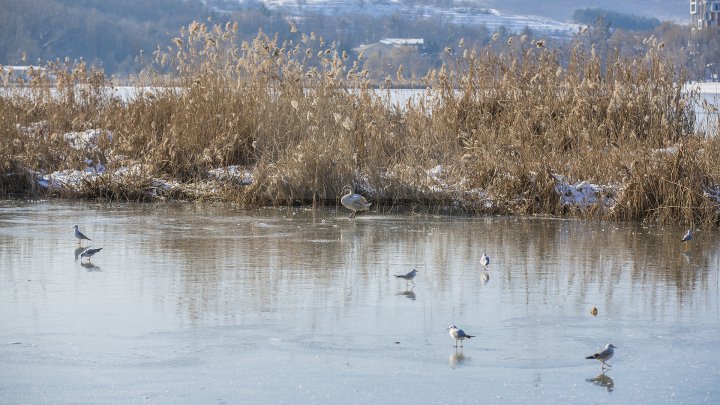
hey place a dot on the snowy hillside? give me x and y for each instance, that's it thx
(470, 13)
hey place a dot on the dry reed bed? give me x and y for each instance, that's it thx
(508, 132)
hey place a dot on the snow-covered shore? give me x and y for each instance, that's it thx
(119, 171)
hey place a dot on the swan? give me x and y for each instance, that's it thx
(354, 202)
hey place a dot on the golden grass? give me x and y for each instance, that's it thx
(498, 127)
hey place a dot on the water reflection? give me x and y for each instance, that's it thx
(541, 259)
(602, 380)
(458, 358)
(89, 266)
(687, 256)
(410, 294)
(78, 251)
(209, 254)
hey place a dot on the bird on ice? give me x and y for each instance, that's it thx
(89, 252)
(408, 277)
(687, 238)
(594, 311)
(354, 202)
(604, 355)
(458, 334)
(485, 260)
(79, 235)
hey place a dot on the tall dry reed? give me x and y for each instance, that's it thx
(493, 132)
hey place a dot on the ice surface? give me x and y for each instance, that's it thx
(211, 304)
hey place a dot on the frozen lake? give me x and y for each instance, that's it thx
(214, 304)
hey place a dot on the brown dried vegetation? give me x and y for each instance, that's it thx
(497, 129)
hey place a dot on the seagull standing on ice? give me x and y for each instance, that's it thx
(687, 238)
(79, 235)
(354, 202)
(89, 252)
(458, 334)
(604, 355)
(485, 260)
(408, 277)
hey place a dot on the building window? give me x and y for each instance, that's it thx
(692, 9)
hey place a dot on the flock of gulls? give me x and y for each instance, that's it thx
(459, 335)
(356, 202)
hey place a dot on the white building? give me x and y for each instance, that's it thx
(704, 13)
(393, 43)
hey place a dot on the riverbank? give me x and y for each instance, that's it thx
(271, 124)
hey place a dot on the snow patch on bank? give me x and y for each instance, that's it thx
(441, 179)
(713, 194)
(85, 140)
(233, 174)
(584, 194)
(74, 180)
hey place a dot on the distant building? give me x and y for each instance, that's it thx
(388, 44)
(704, 13)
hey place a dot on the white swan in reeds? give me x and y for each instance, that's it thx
(354, 202)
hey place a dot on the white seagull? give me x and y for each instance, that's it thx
(485, 260)
(604, 355)
(89, 252)
(354, 202)
(687, 238)
(79, 235)
(458, 334)
(408, 277)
